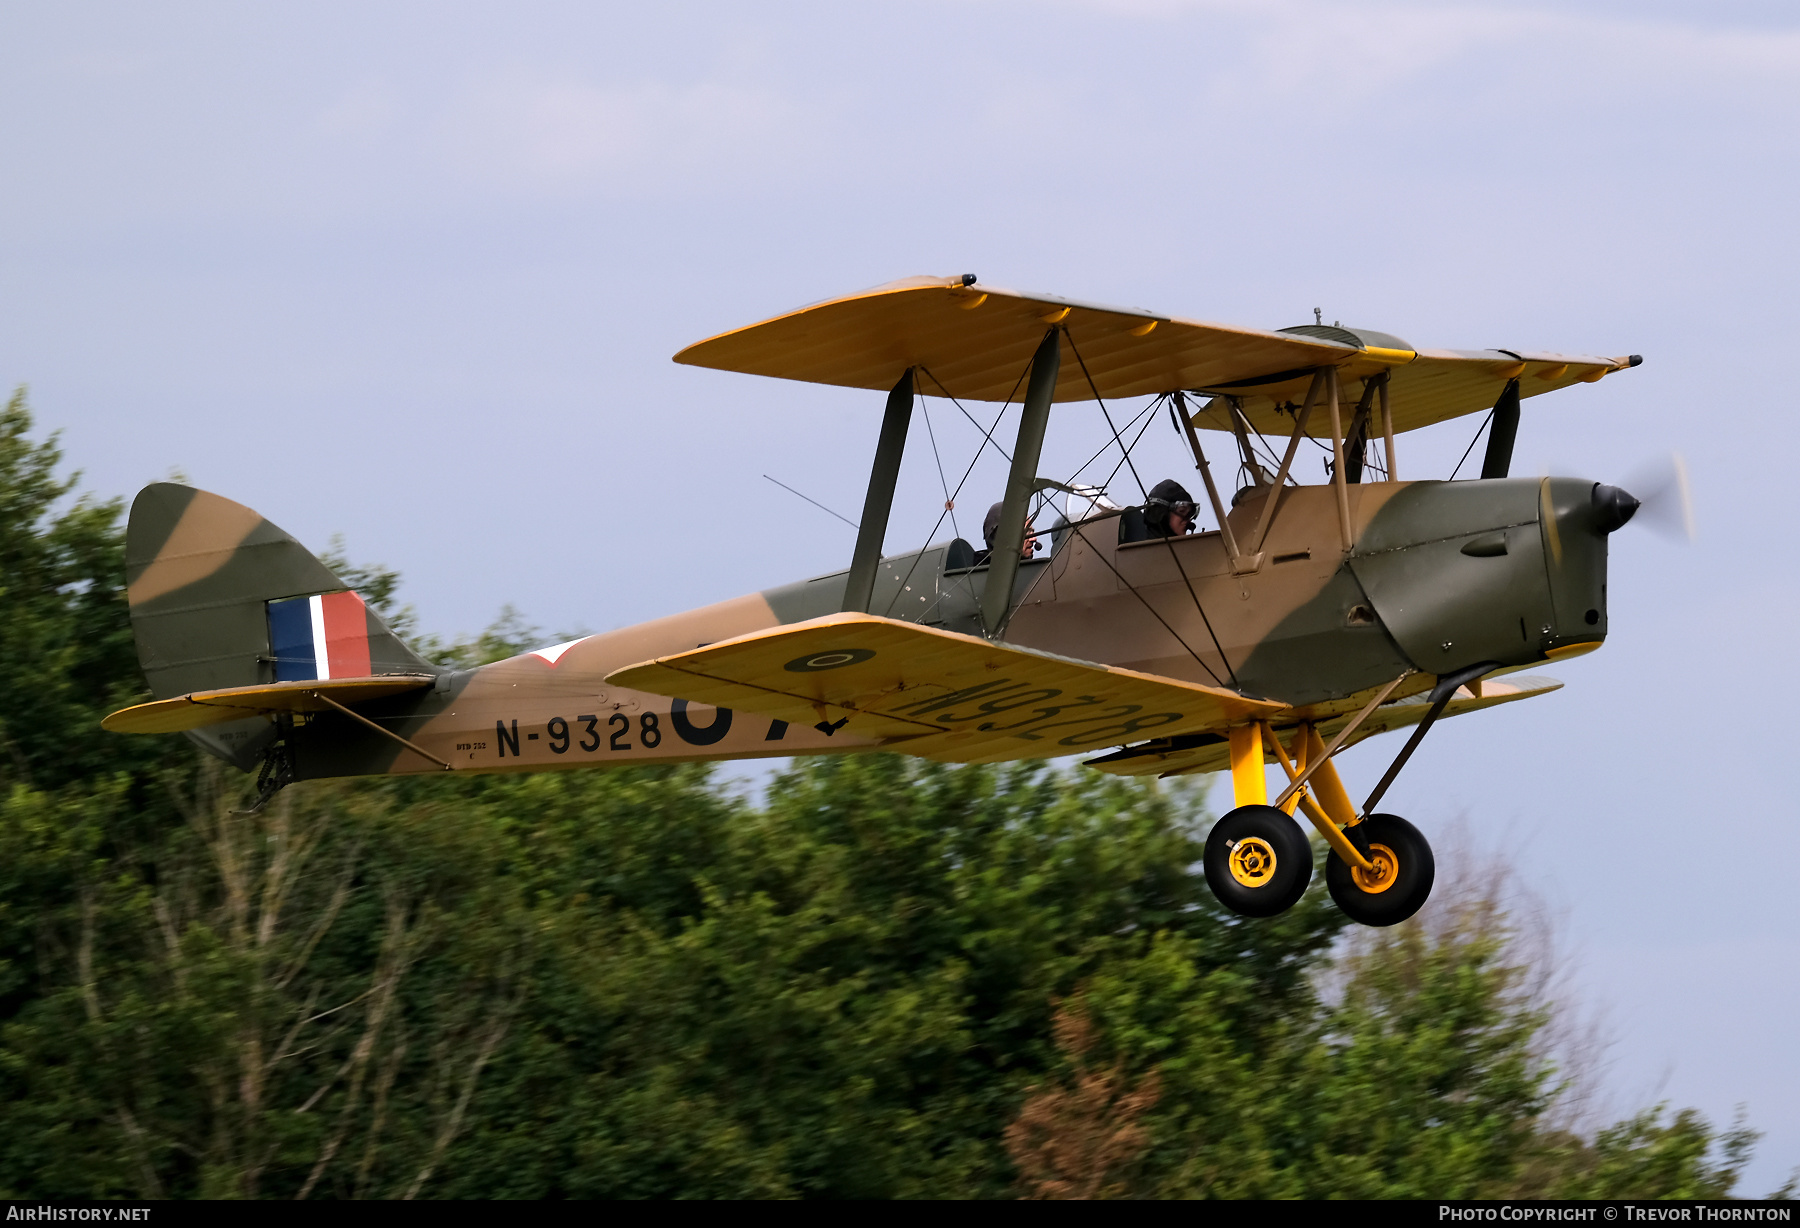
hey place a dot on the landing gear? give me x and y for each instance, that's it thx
(277, 769)
(1399, 880)
(1258, 861)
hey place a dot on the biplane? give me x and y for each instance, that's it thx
(1307, 618)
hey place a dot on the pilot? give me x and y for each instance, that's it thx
(1169, 510)
(991, 526)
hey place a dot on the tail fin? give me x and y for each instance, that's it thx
(222, 598)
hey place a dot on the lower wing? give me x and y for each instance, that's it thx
(1196, 753)
(937, 694)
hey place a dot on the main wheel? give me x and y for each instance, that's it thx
(1402, 878)
(1258, 861)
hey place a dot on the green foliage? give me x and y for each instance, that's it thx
(507, 636)
(1684, 1158)
(377, 584)
(68, 655)
(638, 984)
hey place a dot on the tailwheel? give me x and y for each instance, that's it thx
(1400, 881)
(1258, 861)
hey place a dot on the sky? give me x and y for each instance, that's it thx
(412, 274)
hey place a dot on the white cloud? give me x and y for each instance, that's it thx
(1359, 45)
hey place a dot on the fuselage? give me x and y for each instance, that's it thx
(1438, 577)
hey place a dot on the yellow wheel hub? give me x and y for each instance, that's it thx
(1252, 862)
(1384, 872)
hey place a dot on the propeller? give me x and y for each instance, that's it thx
(1663, 503)
(1666, 501)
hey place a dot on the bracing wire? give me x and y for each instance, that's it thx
(1175, 558)
(949, 503)
(1105, 446)
(1267, 451)
(1146, 416)
(1101, 402)
(1186, 582)
(987, 434)
(987, 438)
(1146, 603)
(1472, 443)
(1142, 430)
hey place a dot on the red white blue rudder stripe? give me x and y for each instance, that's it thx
(319, 637)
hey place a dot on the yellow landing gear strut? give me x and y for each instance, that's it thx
(1328, 803)
(1258, 861)
(1320, 793)
(1383, 868)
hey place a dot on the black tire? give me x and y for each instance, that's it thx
(1258, 861)
(1403, 892)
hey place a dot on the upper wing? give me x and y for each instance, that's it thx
(204, 708)
(974, 342)
(1190, 756)
(938, 694)
(1430, 386)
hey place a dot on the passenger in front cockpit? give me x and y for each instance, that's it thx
(991, 526)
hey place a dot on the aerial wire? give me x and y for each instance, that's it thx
(814, 502)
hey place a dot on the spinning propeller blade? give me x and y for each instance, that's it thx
(1661, 486)
(1663, 505)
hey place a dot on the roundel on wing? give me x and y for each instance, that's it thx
(837, 658)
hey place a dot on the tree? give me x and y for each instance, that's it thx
(1073, 1141)
(68, 656)
(638, 984)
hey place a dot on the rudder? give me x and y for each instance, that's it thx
(220, 597)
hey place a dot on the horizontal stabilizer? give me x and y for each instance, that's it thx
(204, 708)
(939, 694)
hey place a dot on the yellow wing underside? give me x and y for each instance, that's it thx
(975, 342)
(937, 694)
(1178, 760)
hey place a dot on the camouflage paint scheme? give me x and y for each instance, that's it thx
(1440, 576)
(1355, 585)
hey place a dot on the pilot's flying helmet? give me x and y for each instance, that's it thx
(1168, 496)
(991, 525)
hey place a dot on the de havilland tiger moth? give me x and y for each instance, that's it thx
(1307, 619)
